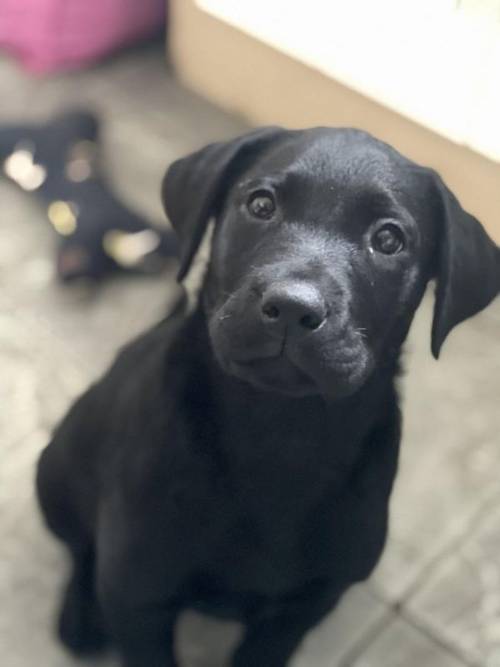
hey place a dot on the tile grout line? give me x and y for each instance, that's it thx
(474, 521)
(392, 613)
(397, 608)
(426, 630)
(366, 639)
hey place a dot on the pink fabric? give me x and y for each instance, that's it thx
(49, 35)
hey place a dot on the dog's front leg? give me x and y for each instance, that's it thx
(143, 634)
(136, 586)
(272, 638)
(146, 639)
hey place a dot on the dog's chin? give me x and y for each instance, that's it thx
(280, 375)
(275, 374)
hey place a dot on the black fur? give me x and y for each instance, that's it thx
(240, 458)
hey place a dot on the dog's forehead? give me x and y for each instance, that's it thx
(341, 156)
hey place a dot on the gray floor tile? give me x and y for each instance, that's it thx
(460, 599)
(401, 645)
(450, 453)
(206, 642)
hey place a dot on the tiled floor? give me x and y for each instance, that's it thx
(434, 601)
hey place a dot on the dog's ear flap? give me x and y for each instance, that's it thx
(468, 267)
(193, 188)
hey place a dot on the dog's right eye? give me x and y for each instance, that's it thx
(261, 205)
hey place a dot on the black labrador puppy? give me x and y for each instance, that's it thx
(239, 458)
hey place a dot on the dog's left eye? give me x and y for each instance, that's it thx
(388, 239)
(261, 205)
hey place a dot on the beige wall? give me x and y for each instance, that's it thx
(249, 78)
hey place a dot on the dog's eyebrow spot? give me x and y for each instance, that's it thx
(375, 199)
(273, 180)
(369, 203)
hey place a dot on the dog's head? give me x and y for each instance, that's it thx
(324, 242)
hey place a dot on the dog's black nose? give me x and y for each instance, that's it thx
(296, 306)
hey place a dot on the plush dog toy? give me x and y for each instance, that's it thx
(59, 162)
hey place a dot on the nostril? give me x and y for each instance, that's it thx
(293, 309)
(310, 321)
(271, 311)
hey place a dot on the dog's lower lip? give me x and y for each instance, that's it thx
(253, 362)
(266, 373)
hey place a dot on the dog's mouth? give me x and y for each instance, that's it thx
(284, 374)
(325, 361)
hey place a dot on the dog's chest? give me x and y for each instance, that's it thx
(265, 545)
(280, 477)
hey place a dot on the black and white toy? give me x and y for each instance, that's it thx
(98, 234)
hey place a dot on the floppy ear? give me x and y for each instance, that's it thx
(468, 267)
(194, 186)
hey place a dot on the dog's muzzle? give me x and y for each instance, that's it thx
(287, 338)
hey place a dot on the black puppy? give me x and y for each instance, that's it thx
(240, 458)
